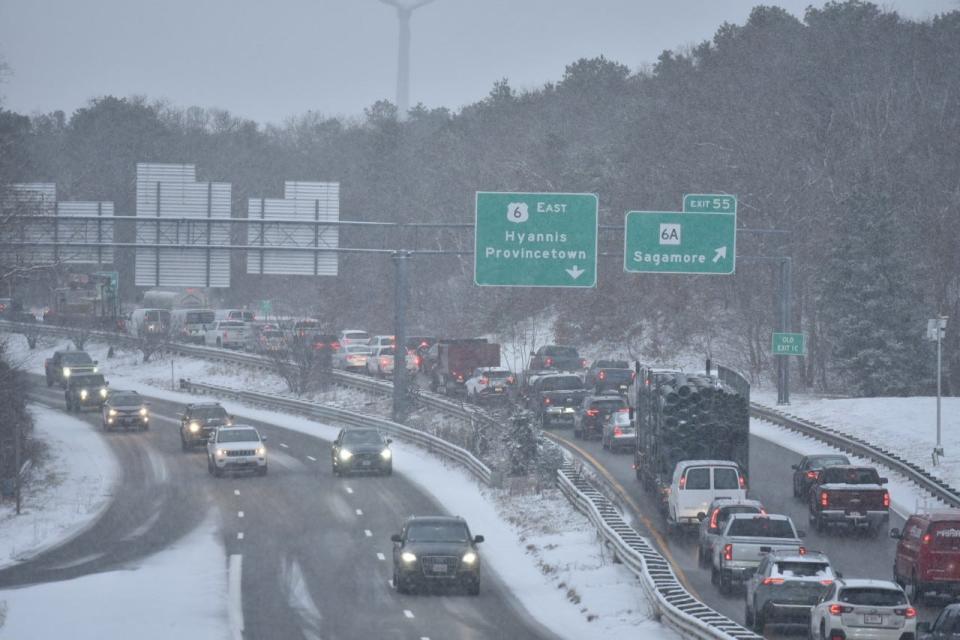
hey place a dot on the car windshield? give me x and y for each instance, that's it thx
(437, 532)
(872, 596)
(206, 413)
(612, 364)
(819, 462)
(609, 405)
(76, 358)
(125, 398)
(88, 381)
(726, 512)
(795, 569)
(851, 476)
(563, 383)
(237, 435)
(560, 352)
(761, 528)
(496, 375)
(362, 436)
(199, 317)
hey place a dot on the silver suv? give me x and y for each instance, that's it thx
(786, 586)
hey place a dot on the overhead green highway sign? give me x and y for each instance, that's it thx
(535, 239)
(672, 242)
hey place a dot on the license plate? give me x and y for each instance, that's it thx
(439, 568)
(868, 619)
(365, 463)
(498, 389)
(856, 514)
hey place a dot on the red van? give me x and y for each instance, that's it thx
(928, 554)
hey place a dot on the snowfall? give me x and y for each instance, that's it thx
(548, 553)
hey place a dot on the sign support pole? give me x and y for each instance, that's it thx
(783, 364)
(399, 259)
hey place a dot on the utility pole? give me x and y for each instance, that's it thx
(405, 9)
(936, 327)
(400, 259)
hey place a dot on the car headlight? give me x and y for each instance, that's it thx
(83, 393)
(96, 369)
(143, 411)
(194, 427)
(386, 454)
(469, 557)
(103, 392)
(113, 412)
(408, 557)
(345, 455)
(66, 372)
(262, 451)
(221, 453)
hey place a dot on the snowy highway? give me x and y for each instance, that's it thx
(311, 552)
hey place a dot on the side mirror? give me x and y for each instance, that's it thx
(396, 538)
(883, 481)
(839, 575)
(923, 627)
(895, 533)
(96, 362)
(263, 438)
(701, 516)
(801, 534)
(389, 440)
(477, 539)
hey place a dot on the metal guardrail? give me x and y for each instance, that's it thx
(859, 447)
(351, 418)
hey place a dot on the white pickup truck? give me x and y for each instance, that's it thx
(745, 540)
(230, 334)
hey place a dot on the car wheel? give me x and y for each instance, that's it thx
(726, 584)
(388, 471)
(758, 622)
(714, 576)
(217, 471)
(914, 591)
(823, 630)
(747, 616)
(702, 558)
(818, 523)
(49, 382)
(144, 427)
(183, 443)
(209, 465)
(336, 471)
(219, 342)
(796, 491)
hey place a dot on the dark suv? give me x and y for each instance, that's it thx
(590, 416)
(85, 390)
(200, 420)
(361, 449)
(438, 551)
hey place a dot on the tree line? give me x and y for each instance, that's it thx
(840, 129)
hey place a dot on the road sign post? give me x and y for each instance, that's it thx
(535, 239)
(936, 328)
(672, 242)
(789, 344)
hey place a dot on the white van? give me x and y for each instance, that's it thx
(190, 325)
(154, 322)
(242, 315)
(697, 483)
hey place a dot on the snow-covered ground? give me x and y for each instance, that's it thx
(552, 557)
(904, 425)
(64, 494)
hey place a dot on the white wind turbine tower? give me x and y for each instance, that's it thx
(404, 9)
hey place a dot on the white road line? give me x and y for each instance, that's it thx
(408, 613)
(240, 535)
(236, 492)
(142, 529)
(368, 533)
(284, 445)
(239, 514)
(380, 556)
(359, 512)
(349, 490)
(311, 458)
(424, 638)
(235, 597)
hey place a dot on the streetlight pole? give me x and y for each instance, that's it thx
(404, 11)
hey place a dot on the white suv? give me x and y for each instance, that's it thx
(236, 448)
(865, 610)
(697, 483)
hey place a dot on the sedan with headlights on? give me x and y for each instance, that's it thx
(125, 409)
(236, 448)
(361, 449)
(436, 551)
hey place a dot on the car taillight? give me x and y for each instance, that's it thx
(224, 334)
(633, 376)
(926, 538)
(459, 377)
(773, 581)
(824, 499)
(617, 431)
(683, 482)
(802, 551)
(417, 360)
(624, 410)
(548, 362)
(546, 401)
(592, 412)
(837, 609)
(484, 380)
(583, 363)
(510, 380)
(909, 612)
(602, 375)
(713, 519)
(384, 362)
(743, 482)
(826, 583)
(886, 499)
(812, 475)
(424, 345)
(728, 551)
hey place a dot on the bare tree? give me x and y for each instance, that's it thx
(301, 365)
(147, 339)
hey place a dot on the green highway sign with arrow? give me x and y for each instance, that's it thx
(535, 239)
(672, 242)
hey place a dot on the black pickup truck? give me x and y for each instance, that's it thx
(849, 495)
(615, 375)
(64, 364)
(557, 358)
(555, 397)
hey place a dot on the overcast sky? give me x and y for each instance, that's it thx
(270, 60)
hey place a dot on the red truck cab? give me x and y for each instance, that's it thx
(928, 554)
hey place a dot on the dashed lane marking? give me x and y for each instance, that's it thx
(236, 492)
(380, 556)
(235, 596)
(284, 445)
(368, 533)
(239, 514)
(240, 535)
(311, 458)
(408, 613)
(349, 490)
(359, 512)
